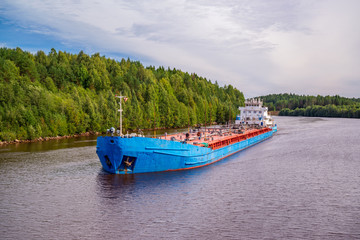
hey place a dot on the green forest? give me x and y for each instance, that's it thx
(60, 94)
(313, 106)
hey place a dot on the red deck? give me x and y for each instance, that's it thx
(215, 138)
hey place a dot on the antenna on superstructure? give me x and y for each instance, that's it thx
(121, 110)
(205, 121)
(154, 120)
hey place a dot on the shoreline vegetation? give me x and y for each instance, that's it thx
(64, 94)
(60, 95)
(41, 139)
(312, 106)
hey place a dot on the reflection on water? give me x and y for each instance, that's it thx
(301, 184)
(116, 185)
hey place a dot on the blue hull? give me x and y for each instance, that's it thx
(274, 129)
(140, 155)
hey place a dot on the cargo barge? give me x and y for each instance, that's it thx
(128, 154)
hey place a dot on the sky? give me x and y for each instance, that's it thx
(258, 46)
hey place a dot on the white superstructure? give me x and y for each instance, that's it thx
(254, 113)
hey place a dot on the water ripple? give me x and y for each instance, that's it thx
(301, 184)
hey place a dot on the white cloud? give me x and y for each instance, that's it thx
(259, 46)
(325, 57)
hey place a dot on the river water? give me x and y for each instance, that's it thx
(303, 183)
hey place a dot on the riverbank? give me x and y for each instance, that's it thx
(158, 131)
(41, 139)
(91, 133)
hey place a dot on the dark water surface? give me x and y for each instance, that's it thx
(304, 183)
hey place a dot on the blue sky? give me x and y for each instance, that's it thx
(258, 46)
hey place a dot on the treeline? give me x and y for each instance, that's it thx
(59, 94)
(324, 111)
(313, 106)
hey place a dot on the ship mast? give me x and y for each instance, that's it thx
(120, 110)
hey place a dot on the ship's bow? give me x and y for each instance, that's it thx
(109, 151)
